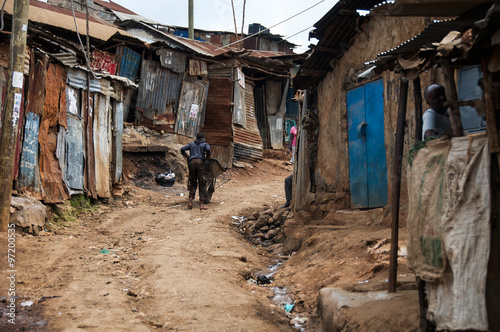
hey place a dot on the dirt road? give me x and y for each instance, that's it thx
(146, 263)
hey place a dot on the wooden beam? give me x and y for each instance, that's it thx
(417, 96)
(313, 71)
(396, 184)
(455, 118)
(325, 49)
(489, 102)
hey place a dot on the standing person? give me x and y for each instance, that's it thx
(436, 120)
(288, 191)
(199, 151)
(292, 141)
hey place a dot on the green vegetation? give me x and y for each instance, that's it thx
(64, 214)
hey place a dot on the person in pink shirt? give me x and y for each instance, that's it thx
(292, 142)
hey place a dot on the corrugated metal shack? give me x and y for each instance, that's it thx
(66, 148)
(192, 85)
(189, 85)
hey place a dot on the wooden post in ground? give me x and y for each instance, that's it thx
(417, 96)
(455, 118)
(396, 183)
(12, 107)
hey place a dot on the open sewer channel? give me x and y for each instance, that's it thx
(265, 278)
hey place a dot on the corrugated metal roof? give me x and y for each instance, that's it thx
(431, 8)
(434, 32)
(335, 31)
(68, 59)
(44, 13)
(114, 7)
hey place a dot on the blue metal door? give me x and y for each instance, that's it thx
(367, 159)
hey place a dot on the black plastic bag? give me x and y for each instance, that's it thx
(166, 179)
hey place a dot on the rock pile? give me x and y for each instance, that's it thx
(265, 227)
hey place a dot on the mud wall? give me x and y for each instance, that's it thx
(379, 34)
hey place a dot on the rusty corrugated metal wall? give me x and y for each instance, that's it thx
(261, 115)
(176, 61)
(247, 141)
(102, 144)
(158, 96)
(218, 116)
(191, 110)
(54, 114)
(128, 62)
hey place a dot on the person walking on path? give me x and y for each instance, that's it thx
(199, 151)
(292, 143)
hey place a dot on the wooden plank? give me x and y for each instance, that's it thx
(396, 184)
(417, 96)
(455, 117)
(489, 101)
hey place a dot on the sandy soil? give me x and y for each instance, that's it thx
(144, 262)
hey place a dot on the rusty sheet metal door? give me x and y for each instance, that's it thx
(239, 114)
(102, 144)
(29, 177)
(158, 96)
(191, 112)
(247, 141)
(75, 154)
(273, 97)
(54, 113)
(276, 131)
(117, 141)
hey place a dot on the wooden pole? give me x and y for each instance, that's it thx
(191, 19)
(12, 107)
(243, 18)
(489, 101)
(455, 118)
(417, 96)
(235, 26)
(396, 183)
(422, 301)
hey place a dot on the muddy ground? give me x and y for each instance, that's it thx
(144, 262)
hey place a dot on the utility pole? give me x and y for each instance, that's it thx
(191, 19)
(12, 107)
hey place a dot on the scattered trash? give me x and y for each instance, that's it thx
(221, 203)
(252, 281)
(263, 280)
(181, 194)
(26, 303)
(238, 220)
(105, 251)
(275, 196)
(289, 307)
(166, 179)
(363, 282)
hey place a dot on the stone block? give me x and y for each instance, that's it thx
(27, 212)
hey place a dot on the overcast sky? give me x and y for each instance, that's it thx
(218, 15)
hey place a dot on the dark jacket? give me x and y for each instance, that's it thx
(197, 150)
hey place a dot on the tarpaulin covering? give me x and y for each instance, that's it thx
(450, 212)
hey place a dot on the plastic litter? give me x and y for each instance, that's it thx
(105, 251)
(26, 303)
(289, 307)
(166, 179)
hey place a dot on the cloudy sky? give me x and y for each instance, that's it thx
(218, 15)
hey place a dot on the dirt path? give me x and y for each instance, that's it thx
(147, 263)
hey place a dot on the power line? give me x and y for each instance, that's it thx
(295, 34)
(252, 35)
